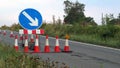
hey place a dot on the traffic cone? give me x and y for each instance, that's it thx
(11, 34)
(31, 39)
(0, 32)
(47, 47)
(4, 33)
(57, 48)
(21, 37)
(26, 48)
(16, 43)
(66, 47)
(21, 40)
(36, 47)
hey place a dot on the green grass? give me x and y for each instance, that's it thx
(101, 35)
(94, 39)
(9, 58)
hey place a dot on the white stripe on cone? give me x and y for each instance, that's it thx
(26, 42)
(47, 42)
(66, 42)
(16, 42)
(36, 43)
(57, 42)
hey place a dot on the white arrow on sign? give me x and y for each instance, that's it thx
(33, 22)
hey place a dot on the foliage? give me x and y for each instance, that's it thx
(75, 13)
(4, 27)
(15, 26)
(110, 20)
(107, 35)
(9, 58)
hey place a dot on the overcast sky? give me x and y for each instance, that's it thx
(10, 9)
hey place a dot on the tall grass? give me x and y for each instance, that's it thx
(9, 58)
(102, 35)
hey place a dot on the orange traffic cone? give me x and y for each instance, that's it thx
(26, 48)
(11, 34)
(66, 47)
(16, 43)
(47, 47)
(36, 47)
(31, 39)
(57, 48)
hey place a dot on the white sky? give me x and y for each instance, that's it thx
(10, 9)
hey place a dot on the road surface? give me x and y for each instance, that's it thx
(83, 55)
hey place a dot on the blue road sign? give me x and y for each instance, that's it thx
(30, 19)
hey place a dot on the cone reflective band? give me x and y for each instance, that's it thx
(24, 31)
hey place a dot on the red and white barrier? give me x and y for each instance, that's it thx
(24, 31)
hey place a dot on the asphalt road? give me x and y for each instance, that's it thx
(83, 55)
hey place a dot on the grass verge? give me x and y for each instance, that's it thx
(9, 58)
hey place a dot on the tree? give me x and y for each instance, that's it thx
(74, 12)
(4, 27)
(103, 20)
(119, 16)
(68, 6)
(59, 21)
(15, 26)
(53, 17)
(109, 18)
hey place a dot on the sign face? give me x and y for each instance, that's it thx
(30, 19)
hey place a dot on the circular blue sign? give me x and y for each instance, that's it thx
(30, 19)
